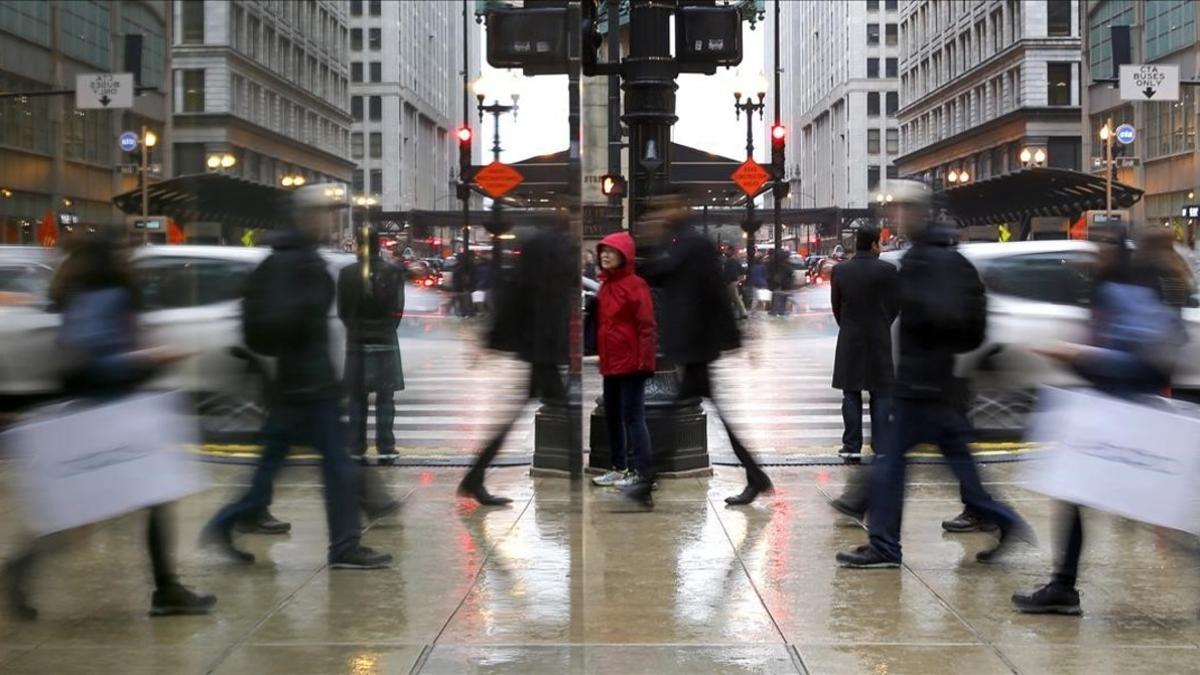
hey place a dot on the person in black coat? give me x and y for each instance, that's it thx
(865, 295)
(697, 321)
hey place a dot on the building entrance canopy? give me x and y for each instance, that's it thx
(212, 197)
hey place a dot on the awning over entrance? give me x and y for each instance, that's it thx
(212, 197)
(1017, 197)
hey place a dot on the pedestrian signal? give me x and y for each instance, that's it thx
(612, 185)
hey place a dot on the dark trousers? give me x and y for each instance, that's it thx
(696, 382)
(1068, 564)
(340, 474)
(852, 406)
(916, 422)
(625, 413)
(544, 382)
(385, 415)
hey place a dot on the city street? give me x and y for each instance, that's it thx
(571, 580)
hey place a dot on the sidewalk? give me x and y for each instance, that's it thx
(571, 579)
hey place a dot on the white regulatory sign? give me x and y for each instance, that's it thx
(1150, 83)
(104, 90)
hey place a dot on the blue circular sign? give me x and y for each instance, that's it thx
(1126, 133)
(129, 141)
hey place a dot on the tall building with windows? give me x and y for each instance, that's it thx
(267, 81)
(406, 66)
(1164, 160)
(54, 158)
(839, 98)
(980, 82)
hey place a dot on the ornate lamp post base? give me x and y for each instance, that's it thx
(557, 430)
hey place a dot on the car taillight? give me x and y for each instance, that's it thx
(428, 281)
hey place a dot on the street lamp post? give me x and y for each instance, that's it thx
(498, 88)
(148, 140)
(1106, 135)
(758, 87)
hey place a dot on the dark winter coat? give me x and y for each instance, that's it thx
(533, 302)
(865, 293)
(696, 320)
(371, 318)
(626, 333)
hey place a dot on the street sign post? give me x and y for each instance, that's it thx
(128, 141)
(750, 176)
(1126, 134)
(497, 179)
(104, 91)
(1149, 82)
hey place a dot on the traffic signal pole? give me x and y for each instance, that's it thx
(649, 85)
(464, 168)
(779, 304)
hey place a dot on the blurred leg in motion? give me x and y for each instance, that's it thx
(697, 383)
(357, 409)
(1060, 595)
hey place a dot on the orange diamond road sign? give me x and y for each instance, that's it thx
(750, 176)
(497, 179)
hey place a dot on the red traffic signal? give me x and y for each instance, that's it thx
(464, 134)
(778, 134)
(612, 185)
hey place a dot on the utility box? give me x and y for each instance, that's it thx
(707, 37)
(531, 38)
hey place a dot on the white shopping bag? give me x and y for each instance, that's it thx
(1137, 459)
(79, 463)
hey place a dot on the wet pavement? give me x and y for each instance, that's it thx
(572, 579)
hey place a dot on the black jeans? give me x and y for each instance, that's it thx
(340, 474)
(852, 406)
(696, 382)
(544, 382)
(385, 415)
(1068, 565)
(625, 414)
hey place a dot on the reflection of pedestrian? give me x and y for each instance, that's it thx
(589, 266)
(464, 283)
(285, 314)
(627, 341)
(99, 337)
(943, 312)
(731, 274)
(371, 309)
(697, 323)
(530, 321)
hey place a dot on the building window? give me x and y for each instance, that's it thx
(872, 141)
(872, 33)
(1058, 18)
(872, 178)
(893, 35)
(1059, 84)
(84, 31)
(356, 145)
(193, 22)
(1110, 13)
(137, 20)
(356, 183)
(1170, 25)
(375, 39)
(893, 103)
(376, 7)
(376, 145)
(872, 5)
(376, 71)
(376, 181)
(872, 67)
(893, 171)
(376, 108)
(192, 82)
(355, 7)
(890, 5)
(893, 142)
(892, 68)
(356, 71)
(356, 39)
(30, 20)
(356, 108)
(873, 104)
(1171, 126)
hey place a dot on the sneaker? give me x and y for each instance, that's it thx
(362, 558)
(968, 521)
(265, 524)
(866, 557)
(641, 491)
(751, 491)
(1018, 532)
(177, 599)
(1053, 598)
(609, 479)
(849, 509)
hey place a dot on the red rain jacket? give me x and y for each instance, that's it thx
(626, 333)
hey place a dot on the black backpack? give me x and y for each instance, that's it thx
(272, 309)
(950, 300)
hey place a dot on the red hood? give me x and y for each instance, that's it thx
(623, 243)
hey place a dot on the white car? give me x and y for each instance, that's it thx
(1038, 292)
(191, 298)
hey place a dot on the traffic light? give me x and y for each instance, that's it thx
(778, 164)
(707, 37)
(612, 185)
(464, 161)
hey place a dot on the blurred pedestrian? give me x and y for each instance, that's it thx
(758, 281)
(731, 274)
(1155, 256)
(865, 297)
(370, 305)
(589, 266)
(285, 314)
(104, 359)
(533, 306)
(627, 341)
(1136, 335)
(464, 283)
(943, 312)
(697, 322)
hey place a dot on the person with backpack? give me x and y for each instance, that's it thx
(943, 312)
(1137, 333)
(370, 307)
(627, 340)
(285, 315)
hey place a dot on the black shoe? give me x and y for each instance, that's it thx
(1053, 598)
(866, 557)
(265, 524)
(362, 558)
(968, 521)
(480, 494)
(850, 456)
(641, 492)
(849, 509)
(175, 599)
(222, 540)
(388, 457)
(15, 600)
(374, 512)
(751, 492)
(1018, 532)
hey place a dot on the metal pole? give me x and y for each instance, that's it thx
(1108, 170)
(778, 306)
(466, 104)
(750, 248)
(614, 107)
(145, 175)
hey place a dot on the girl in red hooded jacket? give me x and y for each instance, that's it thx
(626, 339)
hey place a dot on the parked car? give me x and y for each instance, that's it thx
(191, 299)
(1038, 292)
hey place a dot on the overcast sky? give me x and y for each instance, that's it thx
(704, 105)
